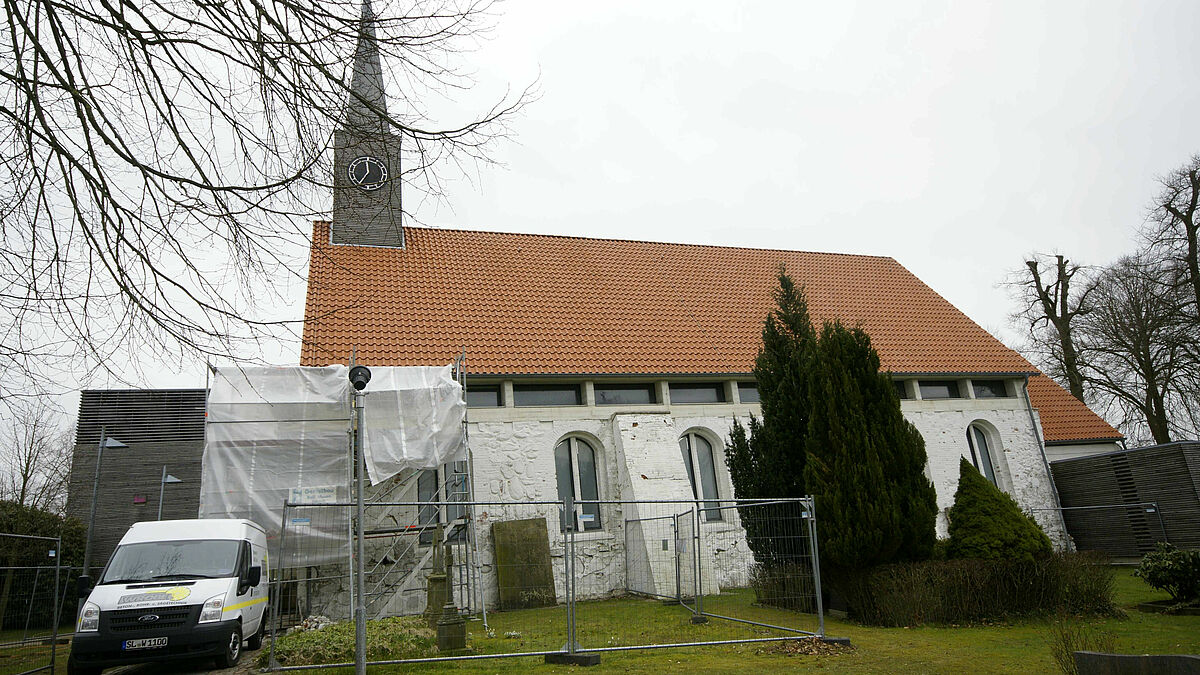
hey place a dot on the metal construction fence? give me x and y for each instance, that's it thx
(32, 589)
(552, 578)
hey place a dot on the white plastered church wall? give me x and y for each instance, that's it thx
(513, 452)
(514, 460)
(1020, 468)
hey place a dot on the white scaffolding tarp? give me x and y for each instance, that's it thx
(276, 434)
(414, 420)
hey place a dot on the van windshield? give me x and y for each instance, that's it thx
(160, 560)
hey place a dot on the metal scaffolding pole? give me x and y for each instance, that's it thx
(360, 606)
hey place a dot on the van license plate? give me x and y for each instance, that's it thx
(144, 643)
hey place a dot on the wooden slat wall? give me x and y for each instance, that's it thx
(161, 428)
(1167, 474)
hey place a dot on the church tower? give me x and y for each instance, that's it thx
(366, 154)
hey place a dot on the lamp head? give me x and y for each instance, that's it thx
(359, 377)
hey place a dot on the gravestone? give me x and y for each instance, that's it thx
(523, 570)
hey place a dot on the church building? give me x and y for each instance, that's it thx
(614, 369)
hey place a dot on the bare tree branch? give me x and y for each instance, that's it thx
(161, 161)
(1050, 311)
(35, 456)
(1174, 227)
(1142, 348)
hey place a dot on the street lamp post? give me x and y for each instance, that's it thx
(113, 444)
(162, 487)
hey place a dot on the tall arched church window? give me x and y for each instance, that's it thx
(981, 452)
(575, 469)
(698, 458)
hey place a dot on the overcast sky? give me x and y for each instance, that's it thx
(955, 137)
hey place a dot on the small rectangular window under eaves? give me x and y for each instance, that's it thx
(483, 396)
(748, 392)
(534, 395)
(624, 394)
(935, 389)
(699, 392)
(989, 388)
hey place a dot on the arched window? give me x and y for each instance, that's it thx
(981, 452)
(575, 469)
(698, 458)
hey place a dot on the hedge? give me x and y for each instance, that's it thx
(972, 590)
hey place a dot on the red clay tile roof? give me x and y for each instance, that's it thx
(1064, 418)
(524, 304)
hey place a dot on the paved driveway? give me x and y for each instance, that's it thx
(244, 667)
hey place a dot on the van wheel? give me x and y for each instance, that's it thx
(233, 650)
(73, 668)
(255, 641)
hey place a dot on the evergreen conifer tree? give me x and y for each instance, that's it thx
(742, 455)
(832, 427)
(766, 460)
(866, 462)
(986, 523)
(780, 369)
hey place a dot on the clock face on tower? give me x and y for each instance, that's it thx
(367, 173)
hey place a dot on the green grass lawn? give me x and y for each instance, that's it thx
(1017, 647)
(24, 650)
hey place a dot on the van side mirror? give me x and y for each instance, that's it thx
(83, 586)
(254, 576)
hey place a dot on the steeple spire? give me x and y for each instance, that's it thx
(367, 110)
(366, 154)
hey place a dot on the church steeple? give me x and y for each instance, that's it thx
(367, 109)
(366, 153)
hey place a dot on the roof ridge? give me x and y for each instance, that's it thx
(635, 241)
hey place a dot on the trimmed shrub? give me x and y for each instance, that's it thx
(1174, 571)
(987, 524)
(18, 518)
(965, 591)
(941, 549)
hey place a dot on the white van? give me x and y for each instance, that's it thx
(175, 589)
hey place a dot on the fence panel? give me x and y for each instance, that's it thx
(30, 589)
(711, 572)
(420, 571)
(547, 578)
(762, 557)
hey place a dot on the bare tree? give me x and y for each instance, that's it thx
(1142, 348)
(35, 456)
(1050, 310)
(161, 160)
(1174, 227)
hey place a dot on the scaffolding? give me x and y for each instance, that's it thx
(277, 436)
